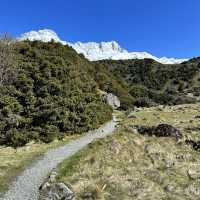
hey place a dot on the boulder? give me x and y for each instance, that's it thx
(162, 130)
(195, 144)
(166, 130)
(145, 130)
(52, 190)
(112, 100)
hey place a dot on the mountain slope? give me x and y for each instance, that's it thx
(96, 51)
(138, 81)
(113, 51)
(53, 95)
(163, 84)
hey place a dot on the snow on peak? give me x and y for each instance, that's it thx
(96, 51)
(45, 35)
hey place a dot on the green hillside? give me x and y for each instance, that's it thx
(111, 83)
(150, 82)
(51, 91)
(52, 95)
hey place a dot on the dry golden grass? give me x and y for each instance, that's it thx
(12, 161)
(128, 165)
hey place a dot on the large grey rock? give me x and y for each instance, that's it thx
(51, 190)
(112, 100)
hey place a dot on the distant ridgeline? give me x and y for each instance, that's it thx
(55, 91)
(150, 83)
(53, 94)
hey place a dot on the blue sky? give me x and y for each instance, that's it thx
(162, 27)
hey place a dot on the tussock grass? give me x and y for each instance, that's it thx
(12, 161)
(128, 165)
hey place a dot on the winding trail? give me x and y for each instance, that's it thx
(26, 185)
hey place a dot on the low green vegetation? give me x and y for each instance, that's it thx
(48, 91)
(52, 96)
(150, 82)
(129, 165)
(110, 83)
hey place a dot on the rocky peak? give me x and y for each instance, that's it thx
(96, 51)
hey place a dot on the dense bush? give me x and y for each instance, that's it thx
(159, 83)
(54, 91)
(144, 102)
(53, 95)
(112, 84)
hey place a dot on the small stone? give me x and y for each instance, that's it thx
(87, 195)
(193, 189)
(52, 178)
(197, 117)
(115, 147)
(132, 116)
(194, 172)
(195, 144)
(170, 188)
(169, 163)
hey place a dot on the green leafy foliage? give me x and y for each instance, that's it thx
(150, 82)
(53, 95)
(112, 83)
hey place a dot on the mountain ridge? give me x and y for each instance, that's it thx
(96, 51)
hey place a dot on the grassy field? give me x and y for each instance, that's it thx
(129, 165)
(12, 161)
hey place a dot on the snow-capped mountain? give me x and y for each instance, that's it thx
(96, 51)
(45, 35)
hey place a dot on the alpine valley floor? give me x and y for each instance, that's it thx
(128, 165)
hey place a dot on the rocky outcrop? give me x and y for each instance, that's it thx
(166, 130)
(112, 100)
(52, 190)
(195, 144)
(162, 130)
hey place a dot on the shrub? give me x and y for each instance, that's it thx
(146, 78)
(53, 95)
(144, 102)
(16, 137)
(48, 133)
(139, 91)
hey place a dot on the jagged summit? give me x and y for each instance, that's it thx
(96, 51)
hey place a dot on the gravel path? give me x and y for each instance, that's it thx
(26, 185)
